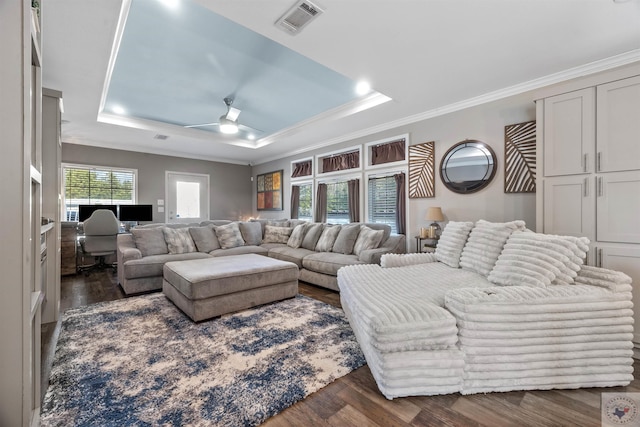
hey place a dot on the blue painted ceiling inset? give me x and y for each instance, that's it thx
(177, 65)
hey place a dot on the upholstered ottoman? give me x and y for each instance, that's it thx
(205, 288)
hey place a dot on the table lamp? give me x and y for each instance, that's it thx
(434, 214)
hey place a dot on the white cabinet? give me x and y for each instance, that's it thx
(624, 258)
(569, 133)
(572, 198)
(618, 126)
(590, 180)
(618, 207)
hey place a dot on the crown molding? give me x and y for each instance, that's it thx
(551, 79)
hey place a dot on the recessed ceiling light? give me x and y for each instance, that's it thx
(118, 110)
(251, 136)
(362, 88)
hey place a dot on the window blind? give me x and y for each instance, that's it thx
(337, 203)
(92, 186)
(382, 201)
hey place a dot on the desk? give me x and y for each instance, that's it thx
(428, 246)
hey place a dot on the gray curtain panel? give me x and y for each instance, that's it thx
(401, 205)
(353, 187)
(295, 201)
(301, 169)
(390, 152)
(341, 162)
(321, 203)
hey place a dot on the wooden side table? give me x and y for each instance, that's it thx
(429, 245)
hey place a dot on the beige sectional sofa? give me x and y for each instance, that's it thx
(318, 249)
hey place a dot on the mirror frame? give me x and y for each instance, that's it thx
(459, 146)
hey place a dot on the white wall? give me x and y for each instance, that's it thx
(485, 123)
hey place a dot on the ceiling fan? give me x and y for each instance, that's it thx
(228, 123)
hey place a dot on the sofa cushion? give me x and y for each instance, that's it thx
(386, 228)
(297, 235)
(539, 260)
(367, 239)
(240, 250)
(251, 232)
(286, 253)
(311, 236)
(215, 222)
(485, 243)
(229, 236)
(452, 241)
(151, 266)
(327, 238)
(150, 241)
(274, 234)
(178, 240)
(346, 239)
(205, 238)
(328, 262)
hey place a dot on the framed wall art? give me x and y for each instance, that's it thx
(520, 158)
(269, 186)
(422, 170)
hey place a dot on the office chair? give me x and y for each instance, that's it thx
(100, 235)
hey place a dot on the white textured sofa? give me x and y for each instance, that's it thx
(319, 250)
(496, 309)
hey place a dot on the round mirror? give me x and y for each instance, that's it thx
(468, 166)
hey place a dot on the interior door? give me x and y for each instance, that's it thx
(187, 197)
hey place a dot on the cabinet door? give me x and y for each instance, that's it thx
(569, 206)
(618, 124)
(625, 259)
(618, 211)
(569, 133)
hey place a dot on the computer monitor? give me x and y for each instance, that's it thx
(136, 213)
(85, 211)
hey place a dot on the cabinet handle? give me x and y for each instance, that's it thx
(586, 187)
(599, 263)
(600, 186)
(598, 159)
(585, 161)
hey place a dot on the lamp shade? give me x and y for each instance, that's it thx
(434, 214)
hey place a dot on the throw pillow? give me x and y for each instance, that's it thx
(295, 240)
(273, 234)
(485, 243)
(367, 239)
(537, 259)
(229, 236)
(205, 238)
(346, 239)
(327, 238)
(251, 233)
(178, 240)
(150, 241)
(311, 236)
(451, 242)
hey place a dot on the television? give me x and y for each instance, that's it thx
(85, 211)
(136, 213)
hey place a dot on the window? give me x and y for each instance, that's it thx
(337, 203)
(88, 185)
(305, 204)
(382, 201)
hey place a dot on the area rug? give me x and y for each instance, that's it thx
(140, 361)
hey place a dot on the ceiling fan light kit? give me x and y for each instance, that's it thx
(228, 126)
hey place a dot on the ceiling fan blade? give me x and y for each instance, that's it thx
(249, 129)
(202, 125)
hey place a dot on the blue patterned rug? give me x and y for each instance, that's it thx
(141, 362)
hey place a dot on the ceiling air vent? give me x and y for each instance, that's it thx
(296, 18)
(161, 137)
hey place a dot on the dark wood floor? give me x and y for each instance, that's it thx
(354, 400)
